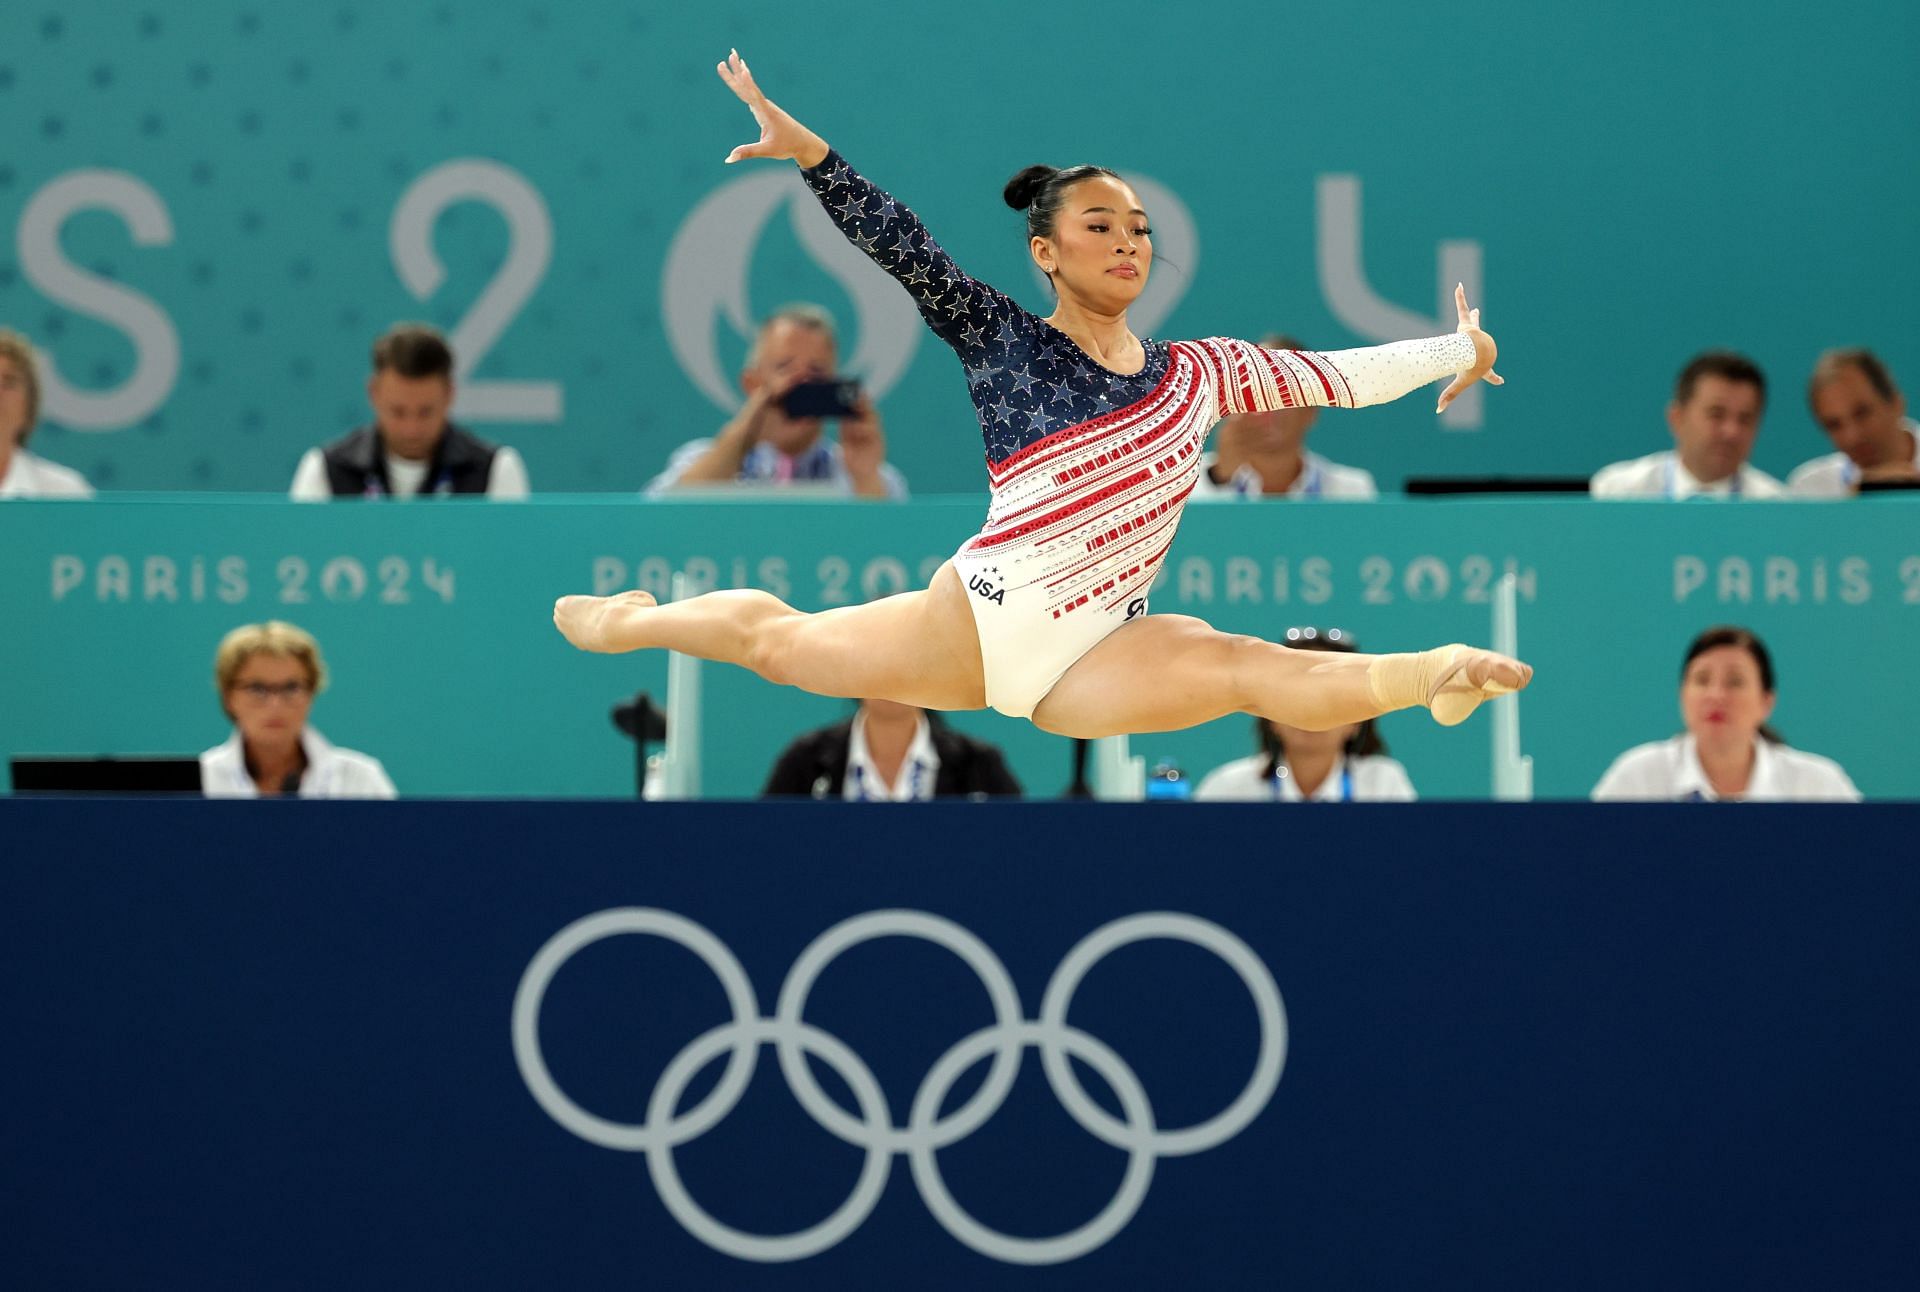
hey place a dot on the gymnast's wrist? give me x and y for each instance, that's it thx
(812, 154)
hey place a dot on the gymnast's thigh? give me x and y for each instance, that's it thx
(1154, 673)
(918, 648)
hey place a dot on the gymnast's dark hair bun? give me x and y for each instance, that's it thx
(1040, 191)
(1024, 187)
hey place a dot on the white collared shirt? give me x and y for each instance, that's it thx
(31, 476)
(332, 772)
(1662, 475)
(1318, 478)
(1373, 779)
(1836, 475)
(1668, 770)
(917, 771)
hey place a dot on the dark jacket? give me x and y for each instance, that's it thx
(816, 764)
(357, 465)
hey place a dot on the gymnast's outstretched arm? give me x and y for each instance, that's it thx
(1252, 380)
(961, 310)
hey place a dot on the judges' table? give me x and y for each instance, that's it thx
(437, 622)
(550, 1044)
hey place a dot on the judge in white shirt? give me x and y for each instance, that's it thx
(1714, 417)
(1728, 751)
(1854, 400)
(267, 675)
(890, 752)
(1265, 455)
(411, 450)
(1344, 764)
(23, 474)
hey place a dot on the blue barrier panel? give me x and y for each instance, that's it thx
(1561, 1046)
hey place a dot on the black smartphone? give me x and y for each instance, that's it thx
(835, 397)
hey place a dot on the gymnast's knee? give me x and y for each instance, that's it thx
(773, 645)
(1246, 664)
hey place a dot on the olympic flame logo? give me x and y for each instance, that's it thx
(873, 1128)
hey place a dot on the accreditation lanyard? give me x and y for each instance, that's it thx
(1673, 483)
(916, 784)
(1346, 782)
(1246, 481)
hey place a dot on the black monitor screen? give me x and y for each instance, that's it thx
(90, 775)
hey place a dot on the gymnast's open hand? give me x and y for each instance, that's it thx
(1484, 352)
(780, 135)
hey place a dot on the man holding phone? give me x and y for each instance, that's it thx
(776, 438)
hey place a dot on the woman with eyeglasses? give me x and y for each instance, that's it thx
(267, 675)
(1728, 751)
(1343, 764)
(1092, 438)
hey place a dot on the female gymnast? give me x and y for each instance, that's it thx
(1093, 441)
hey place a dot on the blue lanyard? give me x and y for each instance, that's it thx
(1673, 483)
(1346, 781)
(915, 785)
(1246, 482)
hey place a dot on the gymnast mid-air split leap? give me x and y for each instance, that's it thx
(1093, 443)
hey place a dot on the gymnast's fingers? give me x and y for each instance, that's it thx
(1460, 383)
(1460, 301)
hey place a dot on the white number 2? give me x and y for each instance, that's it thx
(530, 248)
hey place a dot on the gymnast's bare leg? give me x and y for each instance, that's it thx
(1157, 673)
(915, 647)
(1169, 672)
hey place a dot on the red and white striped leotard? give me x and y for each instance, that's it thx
(1090, 468)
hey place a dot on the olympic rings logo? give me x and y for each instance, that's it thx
(926, 1132)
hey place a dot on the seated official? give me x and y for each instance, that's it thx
(1854, 400)
(1714, 418)
(1345, 764)
(890, 753)
(766, 446)
(23, 474)
(410, 450)
(267, 675)
(1728, 751)
(1265, 455)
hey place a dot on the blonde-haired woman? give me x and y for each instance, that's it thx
(24, 474)
(267, 675)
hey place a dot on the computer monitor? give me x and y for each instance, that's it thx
(1430, 486)
(89, 774)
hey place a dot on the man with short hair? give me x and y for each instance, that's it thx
(1715, 418)
(764, 445)
(1854, 400)
(1265, 455)
(410, 450)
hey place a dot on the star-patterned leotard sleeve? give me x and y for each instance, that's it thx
(1030, 382)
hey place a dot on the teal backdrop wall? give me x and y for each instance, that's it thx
(209, 209)
(436, 623)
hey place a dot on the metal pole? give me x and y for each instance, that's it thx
(680, 771)
(1512, 770)
(1117, 777)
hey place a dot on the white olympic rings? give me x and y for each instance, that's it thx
(873, 1130)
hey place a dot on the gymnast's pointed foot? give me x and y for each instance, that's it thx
(585, 621)
(1463, 676)
(1451, 681)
